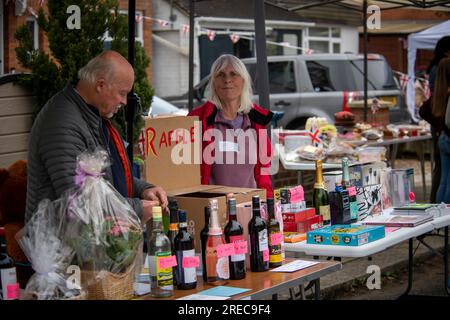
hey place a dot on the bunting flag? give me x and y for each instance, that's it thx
(285, 44)
(403, 81)
(308, 51)
(139, 18)
(211, 35)
(163, 23)
(185, 29)
(234, 38)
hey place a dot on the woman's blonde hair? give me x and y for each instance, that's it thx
(441, 88)
(219, 65)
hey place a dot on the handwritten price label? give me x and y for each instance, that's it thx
(266, 255)
(276, 238)
(352, 191)
(12, 291)
(225, 250)
(240, 247)
(191, 262)
(167, 262)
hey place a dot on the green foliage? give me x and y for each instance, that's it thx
(72, 49)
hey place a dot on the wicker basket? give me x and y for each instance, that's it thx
(111, 286)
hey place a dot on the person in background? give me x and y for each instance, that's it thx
(440, 104)
(78, 118)
(236, 147)
(441, 51)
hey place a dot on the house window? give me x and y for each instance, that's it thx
(324, 39)
(33, 26)
(138, 31)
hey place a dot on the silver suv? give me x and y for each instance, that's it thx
(321, 85)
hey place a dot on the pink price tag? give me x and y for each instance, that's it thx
(266, 255)
(240, 247)
(12, 291)
(225, 250)
(191, 262)
(297, 194)
(352, 191)
(276, 238)
(167, 262)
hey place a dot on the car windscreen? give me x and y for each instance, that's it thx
(347, 75)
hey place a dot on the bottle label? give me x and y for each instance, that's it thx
(164, 272)
(215, 265)
(223, 268)
(275, 247)
(10, 287)
(240, 248)
(266, 255)
(188, 264)
(263, 241)
(325, 212)
(173, 227)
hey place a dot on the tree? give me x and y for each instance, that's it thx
(72, 48)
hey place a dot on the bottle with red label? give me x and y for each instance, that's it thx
(217, 268)
(275, 237)
(8, 278)
(257, 229)
(234, 233)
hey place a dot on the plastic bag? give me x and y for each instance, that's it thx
(99, 224)
(40, 240)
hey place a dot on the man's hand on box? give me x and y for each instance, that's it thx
(156, 194)
(147, 205)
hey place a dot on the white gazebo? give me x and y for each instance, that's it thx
(425, 39)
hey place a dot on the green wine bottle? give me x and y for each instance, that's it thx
(320, 195)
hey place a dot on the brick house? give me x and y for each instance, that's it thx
(14, 14)
(391, 40)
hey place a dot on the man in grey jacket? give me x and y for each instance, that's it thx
(77, 119)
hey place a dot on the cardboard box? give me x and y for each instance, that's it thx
(172, 158)
(330, 178)
(368, 201)
(346, 235)
(363, 175)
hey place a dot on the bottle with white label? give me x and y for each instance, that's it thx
(234, 233)
(8, 277)
(159, 257)
(259, 244)
(185, 253)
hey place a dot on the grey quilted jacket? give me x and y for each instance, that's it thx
(64, 128)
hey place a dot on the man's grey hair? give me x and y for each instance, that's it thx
(220, 64)
(96, 68)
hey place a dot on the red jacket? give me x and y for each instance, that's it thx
(259, 119)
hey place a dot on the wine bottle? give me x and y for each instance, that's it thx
(217, 268)
(257, 229)
(8, 277)
(275, 236)
(184, 249)
(320, 195)
(161, 277)
(346, 185)
(173, 231)
(234, 233)
(203, 239)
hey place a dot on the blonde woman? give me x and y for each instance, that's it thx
(236, 148)
(439, 108)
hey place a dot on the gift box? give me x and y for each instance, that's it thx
(346, 235)
(309, 224)
(299, 216)
(363, 175)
